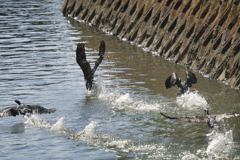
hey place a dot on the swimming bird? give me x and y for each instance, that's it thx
(85, 65)
(212, 120)
(173, 79)
(24, 109)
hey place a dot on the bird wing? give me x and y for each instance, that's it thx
(190, 118)
(171, 80)
(190, 78)
(87, 71)
(82, 62)
(10, 111)
(101, 55)
(23, 109)
(39, 109)
(80, 54)
(220, 117)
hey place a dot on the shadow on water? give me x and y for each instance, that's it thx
(13, 129)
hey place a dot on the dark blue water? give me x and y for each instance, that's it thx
(120, 118)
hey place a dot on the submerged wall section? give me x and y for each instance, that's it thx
(202, 34)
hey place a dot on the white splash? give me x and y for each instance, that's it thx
(192, 101)
(89, 129)
(223, 116)
(117, 143)
(123, 99)
(107, 95)
(141, 106)
(36, 121)
(59, 127)
(96, 88)
(87, 134)
(219, 146)
(220, 142)
(89, 92)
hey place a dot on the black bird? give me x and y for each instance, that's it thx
(189, 119)
(85, 65)
(24, 109)
(212, 120)
(212, 123)
(182, 86)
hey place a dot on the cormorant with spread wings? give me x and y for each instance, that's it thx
(212, 120)
(173, 79)
(24, 109)
(85, 65)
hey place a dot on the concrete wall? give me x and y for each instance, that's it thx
(202, 34)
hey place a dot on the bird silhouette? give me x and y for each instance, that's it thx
(212, 120)
(173, 80)
(24, 109)
(85, 65)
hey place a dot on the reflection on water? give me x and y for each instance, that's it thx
(119, 118)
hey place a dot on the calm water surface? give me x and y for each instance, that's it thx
(120, 118)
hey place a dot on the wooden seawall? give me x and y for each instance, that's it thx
(202, 34)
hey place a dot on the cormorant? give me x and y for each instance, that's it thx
(182, 86)
(85, 65)
(212, 120)
(24, 109)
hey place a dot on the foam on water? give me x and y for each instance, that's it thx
(111, 144)
(153, 151)
(107, 95)
(219, 146)
(120, 144)
(189, 156)
(223, 116)
(96, 88)
(191, 101)
(36, 121)
(140, 106)
(125, 101)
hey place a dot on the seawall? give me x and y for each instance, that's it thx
(202, 34)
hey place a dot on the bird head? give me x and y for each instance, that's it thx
(81, 51)
(206, 111)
